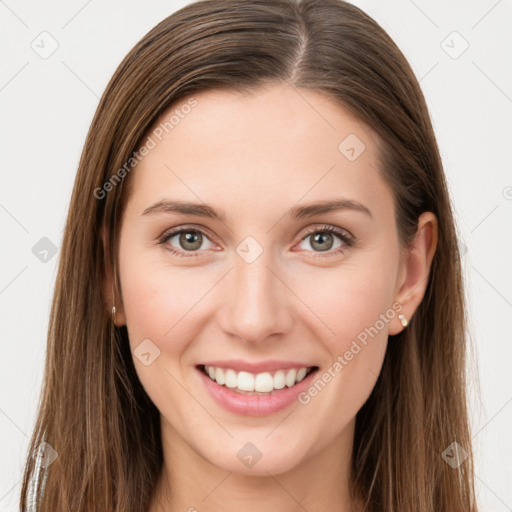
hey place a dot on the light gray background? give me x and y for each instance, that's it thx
(48, 103)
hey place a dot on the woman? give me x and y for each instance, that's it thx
(259, 300)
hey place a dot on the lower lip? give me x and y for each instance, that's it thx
(255, 405)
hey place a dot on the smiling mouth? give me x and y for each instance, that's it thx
(265, 383)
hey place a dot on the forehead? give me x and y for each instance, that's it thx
(274, 145)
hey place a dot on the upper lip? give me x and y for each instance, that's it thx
(263, 366)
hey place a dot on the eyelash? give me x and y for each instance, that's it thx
(347, 239)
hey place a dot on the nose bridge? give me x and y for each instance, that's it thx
(256, 305)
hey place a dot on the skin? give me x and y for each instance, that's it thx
(255, 156)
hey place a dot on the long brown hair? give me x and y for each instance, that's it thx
(94, 412)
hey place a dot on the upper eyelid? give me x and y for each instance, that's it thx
(332, 229)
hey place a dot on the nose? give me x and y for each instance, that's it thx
(256, 303)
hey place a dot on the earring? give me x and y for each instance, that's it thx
(113, 305)
(403, 320)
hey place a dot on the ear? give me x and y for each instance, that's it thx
(109, 285)
(415, 269)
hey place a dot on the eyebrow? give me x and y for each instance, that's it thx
(298, 212)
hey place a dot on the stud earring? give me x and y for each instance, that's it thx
(403, 320)
(113, 305)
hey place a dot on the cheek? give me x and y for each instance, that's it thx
(355, 313)
(158, 306)
(156, 302)
(348, 301)
(162, 302)
(355, 309)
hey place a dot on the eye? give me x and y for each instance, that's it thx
(185, 240)
(324, 240)
(188, 242)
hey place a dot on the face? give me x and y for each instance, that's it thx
(255, 281)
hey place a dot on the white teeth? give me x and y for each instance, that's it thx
(245, 381)
(279, 379)
(231, 379)
(263, 382)
(290, 378)
(219, 375)
(260, 383)
(301, 374)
